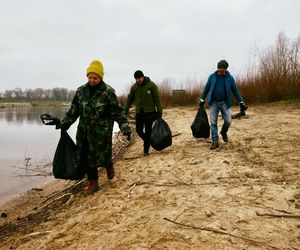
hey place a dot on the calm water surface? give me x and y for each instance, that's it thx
(23, 137)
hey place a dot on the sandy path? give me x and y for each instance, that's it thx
(221, 193)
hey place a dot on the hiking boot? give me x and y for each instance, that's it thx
(146, 153)
(92, 186)
(110, 173)
(214, 145)
(224, 136)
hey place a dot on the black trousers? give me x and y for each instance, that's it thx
(143, 123)
(91, 171)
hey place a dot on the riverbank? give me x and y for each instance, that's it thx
(14, 105)
(244, 195)
(33, 104)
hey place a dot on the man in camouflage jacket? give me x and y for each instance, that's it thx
(97, 106)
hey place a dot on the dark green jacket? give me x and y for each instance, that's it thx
(146, 97)
(97, 114)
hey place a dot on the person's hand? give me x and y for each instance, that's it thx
(56, 122)
(64, 125)
(243, 107)
(127, 134)
(201, 103)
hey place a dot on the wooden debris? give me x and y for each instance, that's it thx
(128, 194)
(223, 232)
(278, 215)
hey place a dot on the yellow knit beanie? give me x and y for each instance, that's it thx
(95, 67)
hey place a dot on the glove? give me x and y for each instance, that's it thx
(50, 120)
(243, 107)
(201, 103)
(128, 135)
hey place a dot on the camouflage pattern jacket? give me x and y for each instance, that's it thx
(97, 113)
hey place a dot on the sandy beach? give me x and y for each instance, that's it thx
(244, 195)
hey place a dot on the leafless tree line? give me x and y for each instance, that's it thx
(55, 94)
(277, 76)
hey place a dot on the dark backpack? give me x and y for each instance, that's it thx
(200, 126)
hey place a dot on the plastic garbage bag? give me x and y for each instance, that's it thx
(161, 135)
(200, 126)
(65, 161)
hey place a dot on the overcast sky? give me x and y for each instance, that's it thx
(50, 43)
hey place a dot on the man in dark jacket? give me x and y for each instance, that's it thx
(145, 94)
(218, 89)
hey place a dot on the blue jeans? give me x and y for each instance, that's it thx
(215, 107)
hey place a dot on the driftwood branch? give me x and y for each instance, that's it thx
(184, 182)
(40, 171)
(174, 135)
(275, 209)
(129, 190)
(64, 190)
(278, 215)
(175, 184)
(58, 198)
(222, 232)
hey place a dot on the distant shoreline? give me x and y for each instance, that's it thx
(33, 104)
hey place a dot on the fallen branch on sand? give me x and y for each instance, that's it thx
(37, 233)
(35, 169)
(175, 184)
(174, 135)
(59, 198)
(223, 232)
(180, 179)
(64, 190)
(278, 215)
(128, 194)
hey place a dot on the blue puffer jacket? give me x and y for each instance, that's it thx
(230, 86)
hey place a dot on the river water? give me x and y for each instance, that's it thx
(27, 148)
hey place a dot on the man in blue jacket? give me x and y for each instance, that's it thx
(218, 89)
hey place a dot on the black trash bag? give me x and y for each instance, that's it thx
(65, 162)
(200, 126)
(161, 135)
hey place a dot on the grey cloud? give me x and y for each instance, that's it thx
(50, 43)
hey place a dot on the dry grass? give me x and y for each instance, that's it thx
(275, 78)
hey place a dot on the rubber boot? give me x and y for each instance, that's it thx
(214, 145)
(110, 173)
(92, 186)
(224, 136)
